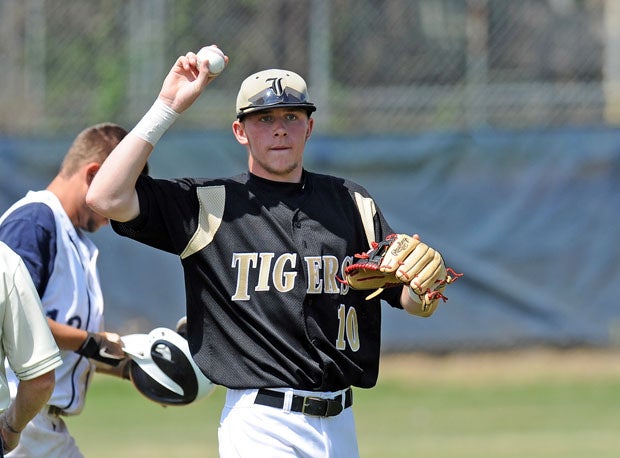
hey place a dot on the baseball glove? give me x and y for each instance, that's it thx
(400, 260)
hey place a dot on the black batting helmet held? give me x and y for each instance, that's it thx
(163, 370)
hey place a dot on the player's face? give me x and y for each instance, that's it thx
(275, 140)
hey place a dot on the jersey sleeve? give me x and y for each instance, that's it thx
(376, 228)
(30, 231)
(24, 324)
(168, 213)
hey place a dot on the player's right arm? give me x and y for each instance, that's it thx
(112, 192)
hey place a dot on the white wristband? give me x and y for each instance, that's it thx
(155, 122)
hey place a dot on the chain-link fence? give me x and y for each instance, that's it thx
(490, 127)
(373, 66)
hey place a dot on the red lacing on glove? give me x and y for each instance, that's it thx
(375, 245)
(360, 265)
(366, 255)
(450, 278)
(435, 294)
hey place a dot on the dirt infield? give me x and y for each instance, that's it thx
(508, 366)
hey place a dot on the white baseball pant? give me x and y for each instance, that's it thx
(251, 430)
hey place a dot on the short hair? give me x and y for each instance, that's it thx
(93, 144)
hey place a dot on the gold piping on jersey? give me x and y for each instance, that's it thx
(212, 200)
(367, 209)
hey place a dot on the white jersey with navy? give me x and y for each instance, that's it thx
(261, 261)
(62, 262)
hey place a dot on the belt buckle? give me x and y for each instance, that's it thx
(328, 407)
(307, 404)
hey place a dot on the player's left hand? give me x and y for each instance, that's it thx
(400, 260)
(113, 346)
(105, 347)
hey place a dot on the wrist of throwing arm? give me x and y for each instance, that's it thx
(155, 122)
(94, 348)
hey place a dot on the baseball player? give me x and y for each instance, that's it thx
(262, 253)
(48, 230)
(29, 348)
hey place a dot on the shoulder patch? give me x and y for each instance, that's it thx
(212, 201)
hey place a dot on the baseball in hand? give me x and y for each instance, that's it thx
(215, 58)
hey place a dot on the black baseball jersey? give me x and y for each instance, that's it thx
(261, 264)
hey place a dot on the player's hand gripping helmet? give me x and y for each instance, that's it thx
(163, 370)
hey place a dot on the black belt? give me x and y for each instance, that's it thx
(308, 405)
(55, 411)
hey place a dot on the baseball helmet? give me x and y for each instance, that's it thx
(163, 370)
(272, 88)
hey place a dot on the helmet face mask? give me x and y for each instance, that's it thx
(163, 370)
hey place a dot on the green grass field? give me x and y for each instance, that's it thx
(541, 404)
